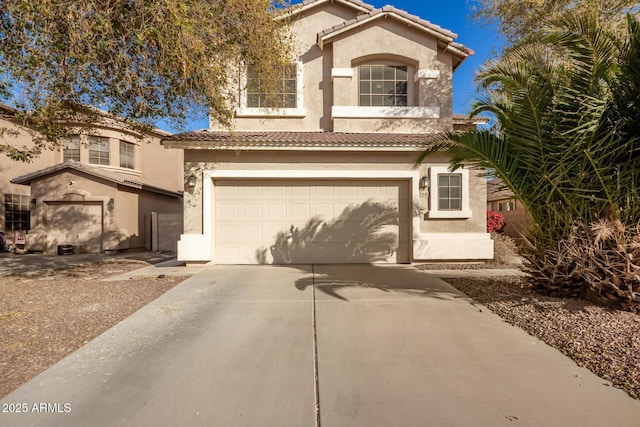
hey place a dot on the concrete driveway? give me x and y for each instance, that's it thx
(335, 346)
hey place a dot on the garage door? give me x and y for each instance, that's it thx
(310, 221)
(75, 223)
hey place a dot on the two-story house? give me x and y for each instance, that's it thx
(329, 176)
(106, 189)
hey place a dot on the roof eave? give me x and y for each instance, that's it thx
(209, 145)
(28, 178)
(302, 7)
(327, 38)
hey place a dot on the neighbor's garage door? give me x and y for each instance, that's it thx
(334, 221)
(75, 223)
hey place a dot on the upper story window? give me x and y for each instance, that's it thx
(383, 85)
(127, 159)
(16, 211)
(285, 95)
(98, 150)
(71, 149)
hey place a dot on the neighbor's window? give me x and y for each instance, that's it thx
(383, 85)
(285, 95)
(506, 206)
(16, 211)
(71, 149)
(449, 192)
(98, 150)
(126, 155)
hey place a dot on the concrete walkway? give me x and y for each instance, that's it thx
(336, 346)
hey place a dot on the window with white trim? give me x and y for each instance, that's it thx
(382, 85)
(286, 102)
(17, 216)
(127, 159)
(285, 95)
(98, 150)
(448, 193)
(71, 149)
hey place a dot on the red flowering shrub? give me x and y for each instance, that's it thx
(495, 222)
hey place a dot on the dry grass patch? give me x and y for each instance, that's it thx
(46, 316)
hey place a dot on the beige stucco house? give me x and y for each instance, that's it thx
(328, 177)
(106, 189)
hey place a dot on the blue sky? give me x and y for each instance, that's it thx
(454, 15)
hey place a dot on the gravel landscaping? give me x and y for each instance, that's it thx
(601, 339)
(47, 315)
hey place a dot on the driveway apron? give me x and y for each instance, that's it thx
(398, 347)
(321, 345)
(228, 347)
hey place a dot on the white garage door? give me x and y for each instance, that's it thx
(311, 221)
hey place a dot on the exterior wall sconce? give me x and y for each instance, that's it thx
(111, 204)
(190, 184)
(424, 182)
(32, 204)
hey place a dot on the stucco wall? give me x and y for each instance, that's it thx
(395, 43)
(153, 164)
(72, 187)
(10, 169)
(198, 161)
(123, 221)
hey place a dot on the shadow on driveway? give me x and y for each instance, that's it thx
(335, 280)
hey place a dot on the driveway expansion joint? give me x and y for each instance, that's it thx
(315, 345)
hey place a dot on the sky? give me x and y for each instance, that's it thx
(455, 16)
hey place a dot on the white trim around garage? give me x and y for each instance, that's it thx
(452, 246)
(198, 248)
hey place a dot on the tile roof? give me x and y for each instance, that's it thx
(464, 119)
(206, 139)
(444, 34)
(358, 3)
(389, 9)
(95, 171)
(306, 4)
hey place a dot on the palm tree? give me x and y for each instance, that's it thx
(567, 139)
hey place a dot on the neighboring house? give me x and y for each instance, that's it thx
(329, 176)
(105, 190)
(503, 201)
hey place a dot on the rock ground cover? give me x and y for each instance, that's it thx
(47, 315)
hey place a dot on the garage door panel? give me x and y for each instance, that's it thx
(252, 210)
(229, 209)
(326, 210)
(247, 228)
(78, 224)
(251, 230)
